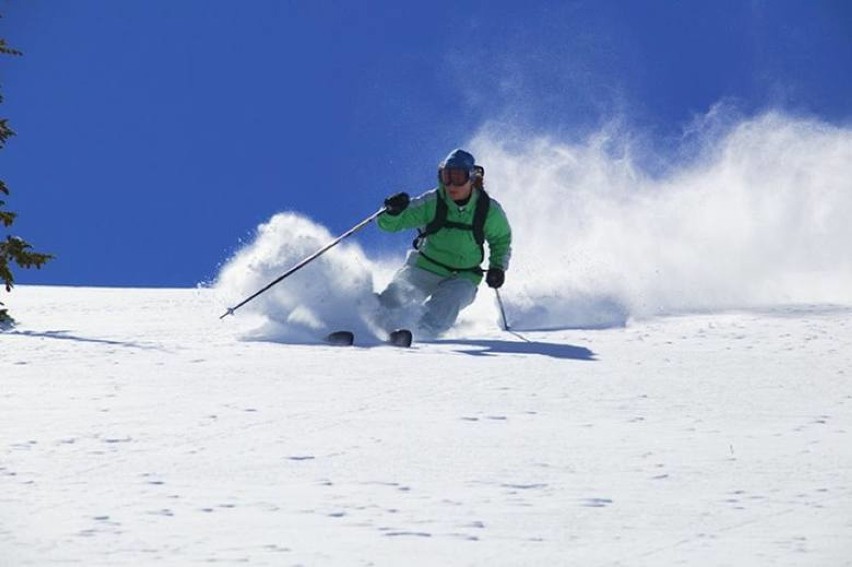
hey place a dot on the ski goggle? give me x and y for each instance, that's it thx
(453, 176)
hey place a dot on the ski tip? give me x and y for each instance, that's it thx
(340, 338)
(400, 338)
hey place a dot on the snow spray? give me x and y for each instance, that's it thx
(752, 214)
(335, 293)
(758, 215)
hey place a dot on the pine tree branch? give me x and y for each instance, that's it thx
(5, 49)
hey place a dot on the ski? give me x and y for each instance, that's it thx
(340, 338)
(398, 338)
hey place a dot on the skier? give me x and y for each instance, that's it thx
(443, 271)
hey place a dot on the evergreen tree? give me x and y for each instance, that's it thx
(13, 249)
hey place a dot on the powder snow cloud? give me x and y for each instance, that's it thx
(753, 213)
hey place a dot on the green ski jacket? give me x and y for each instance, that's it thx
(453, 247)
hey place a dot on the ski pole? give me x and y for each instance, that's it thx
(306, 261)
(506, 321)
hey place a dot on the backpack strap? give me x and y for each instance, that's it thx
(437, 222)
(479, 216)
(475, 269)
(440, 221)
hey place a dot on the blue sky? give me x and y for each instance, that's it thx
(154, 136)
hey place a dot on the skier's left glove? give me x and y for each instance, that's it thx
(495, 277)
(395, 204)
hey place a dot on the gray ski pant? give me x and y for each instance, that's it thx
(439, 298)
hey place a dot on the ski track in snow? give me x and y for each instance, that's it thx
(139, 429)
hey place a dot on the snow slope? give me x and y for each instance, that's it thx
(137, 429)
(700, 423)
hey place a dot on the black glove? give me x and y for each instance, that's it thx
(395, 204)
(495, 277)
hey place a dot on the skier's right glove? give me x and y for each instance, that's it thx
(395, 204)
(495, 277)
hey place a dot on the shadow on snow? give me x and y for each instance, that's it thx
(65, 336)
(489, 347)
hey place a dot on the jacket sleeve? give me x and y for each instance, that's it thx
(418, 213)
(498, 234)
